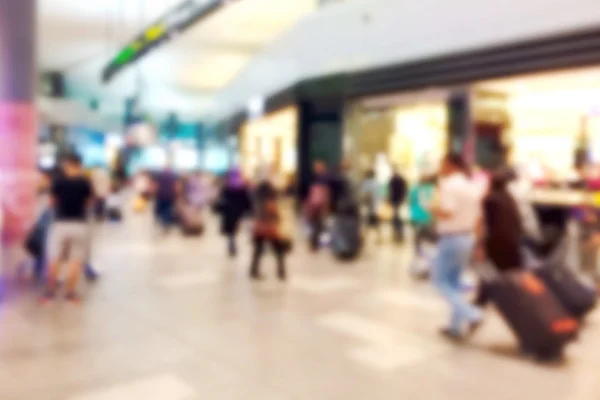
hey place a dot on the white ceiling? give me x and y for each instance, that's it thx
(360, 34)
(81, 36)
(255, 47)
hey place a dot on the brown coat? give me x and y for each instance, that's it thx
(503, 230)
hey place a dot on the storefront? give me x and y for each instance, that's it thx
(553, 121)
(407, 131)
(269, 143)
(547, 123)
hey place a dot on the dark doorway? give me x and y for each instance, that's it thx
(490, 151)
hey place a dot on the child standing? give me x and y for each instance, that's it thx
(268, 231)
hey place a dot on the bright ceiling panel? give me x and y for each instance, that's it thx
(254, 21)
(213, 72)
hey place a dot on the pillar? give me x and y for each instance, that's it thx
(460, 125)
(18, 117)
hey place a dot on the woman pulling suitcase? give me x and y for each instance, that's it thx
(540, 322)
(500, 232)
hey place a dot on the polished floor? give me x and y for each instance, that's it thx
(174, 319)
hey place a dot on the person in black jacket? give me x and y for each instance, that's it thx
(340, 186)
(233, 205)
(501, 232)
(397, 196)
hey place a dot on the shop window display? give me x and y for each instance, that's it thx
(269, 143)
(419, 141)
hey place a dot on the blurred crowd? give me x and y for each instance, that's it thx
(456, 217)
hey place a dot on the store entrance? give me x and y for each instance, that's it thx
(406, 132)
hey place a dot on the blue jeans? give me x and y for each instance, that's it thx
(454, 252)
(164, 212)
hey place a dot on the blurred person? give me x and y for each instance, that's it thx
(233, 204)
(317, 204)
(371, 198)
(143, 185)
(456, 210)
(35, 243)
(71, 195)
(167, 188)
(397, 190)
(114, 204)
(340, 185)
(268, 231)
(347, 201)
(420, 199)
(500, 232)
(198, 191)
(346, 231)
(265, 188)
(589, 241)
(102, 185)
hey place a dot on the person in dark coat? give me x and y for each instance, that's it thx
(233, 205)
(502, 231)
(397, 196)
(340, 186)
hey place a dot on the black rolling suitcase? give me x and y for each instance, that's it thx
(577, 297)
(540, 322)
(346, 238)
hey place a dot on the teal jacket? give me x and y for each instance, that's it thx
(418, 199)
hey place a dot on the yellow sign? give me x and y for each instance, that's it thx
(154, 32)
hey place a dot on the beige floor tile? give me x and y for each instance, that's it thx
(177, 319)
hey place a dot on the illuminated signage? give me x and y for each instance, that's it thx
(170, 25)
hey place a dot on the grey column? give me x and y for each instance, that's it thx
(18, 116)
(460, 124)
(18, 50)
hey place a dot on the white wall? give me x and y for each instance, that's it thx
(357, 34)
